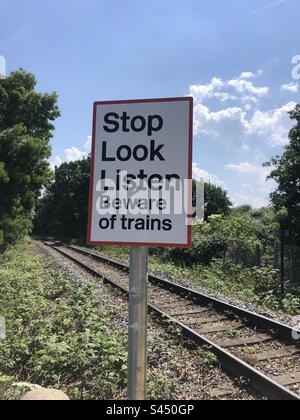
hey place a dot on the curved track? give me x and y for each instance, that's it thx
(248, 345)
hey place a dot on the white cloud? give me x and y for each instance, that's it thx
(250, 170)
(250, 199)
(247, 75)
(246, 87)
(240, 89)
(200, 174)
(72, 154)
(2, 67)
(290, 87)
(200, 92)
(228, 126)
(250, 74)
(274, 125)
(55, 162)
(233, 125)
(254, 187)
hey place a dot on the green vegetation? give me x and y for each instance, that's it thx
(61, 334)
(25, 133)
(287, 176)
(207, 358)
(259, 285)
(57, 333)
(63, 209)
(216, 200)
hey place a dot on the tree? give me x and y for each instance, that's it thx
(25, 133)
(216, 200)
(287, 176)
(63, 211)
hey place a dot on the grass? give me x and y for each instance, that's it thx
(57, 334)
(257, 285)
(60, 335)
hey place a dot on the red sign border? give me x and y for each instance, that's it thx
(190, 171)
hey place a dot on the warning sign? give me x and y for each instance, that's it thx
(141, 171)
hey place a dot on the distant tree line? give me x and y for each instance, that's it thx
(63, 210)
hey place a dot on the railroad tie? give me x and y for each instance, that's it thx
(245, 341)
(286, 380)
(220, 327)
(276, 354)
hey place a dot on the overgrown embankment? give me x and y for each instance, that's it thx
(58, 334)
(254, 285)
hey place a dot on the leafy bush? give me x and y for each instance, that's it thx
(221, 237)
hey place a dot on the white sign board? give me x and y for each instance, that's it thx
(141, 171)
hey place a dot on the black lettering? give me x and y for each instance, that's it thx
(104, 153)
(127, 153)
(159, 179)
(157, 127)
(104, 223)
(115, 124)
(125, 118)
(155, 152)
(144, 151)
(167, 225)
(142, 124)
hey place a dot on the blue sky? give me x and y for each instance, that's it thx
(233, 56)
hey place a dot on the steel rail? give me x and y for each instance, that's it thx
(284, 331)
(257, 380)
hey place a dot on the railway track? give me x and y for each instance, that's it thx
(248, 345)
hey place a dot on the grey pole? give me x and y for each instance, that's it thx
(137, 334)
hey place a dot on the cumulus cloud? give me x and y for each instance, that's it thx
(250, 170)
(249, 199)
(201, 92)
(274, 125)
(228, 126)
(243, 86)
(72, 154)
(233, 125)
(254, 187)
(55, 162)
(290, 87)
(202, 175)
(240, 89)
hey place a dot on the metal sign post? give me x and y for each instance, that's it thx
(140, 196)
(138, 311)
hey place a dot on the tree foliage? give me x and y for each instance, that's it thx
(287, 176)
(25, 133)
(63, 211)
(216, 200)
